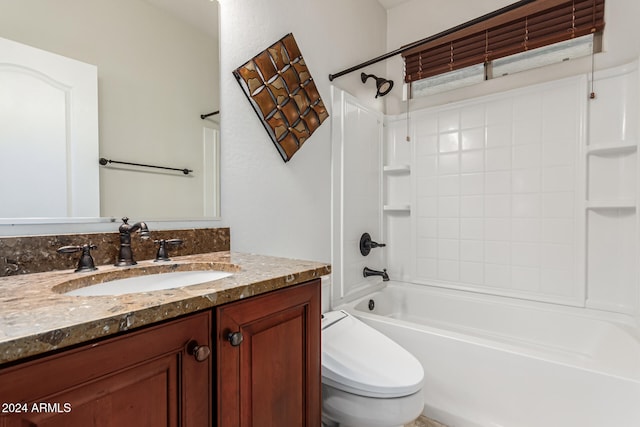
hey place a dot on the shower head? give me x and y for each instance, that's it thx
(384, 86)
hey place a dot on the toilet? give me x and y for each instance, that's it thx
(368, 380)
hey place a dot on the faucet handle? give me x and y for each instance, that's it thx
(366, 244)
(85, 263)
(163, 253)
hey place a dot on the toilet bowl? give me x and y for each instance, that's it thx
(368, 380)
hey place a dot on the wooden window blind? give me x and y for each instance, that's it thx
(533, 25)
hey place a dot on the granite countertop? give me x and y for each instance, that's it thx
(36, 316)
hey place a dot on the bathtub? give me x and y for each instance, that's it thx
(492, 361)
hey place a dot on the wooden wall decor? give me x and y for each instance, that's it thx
(283, 94)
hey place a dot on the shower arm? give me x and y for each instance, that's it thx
(431, 38)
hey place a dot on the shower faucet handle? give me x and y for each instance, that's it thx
(366, 244)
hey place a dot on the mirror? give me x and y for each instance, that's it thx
(157, 72)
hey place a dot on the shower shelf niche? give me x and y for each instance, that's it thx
(617, 148)
(611, 204)
(611, 179)
(397, 169)
(397, 208)
(612, 252)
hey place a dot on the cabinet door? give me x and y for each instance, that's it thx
(272, 377)
(146, 378)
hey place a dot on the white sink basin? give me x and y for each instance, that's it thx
(151, 282)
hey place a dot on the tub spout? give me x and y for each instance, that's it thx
(369, 272)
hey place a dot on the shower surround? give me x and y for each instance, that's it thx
(530, 193)
(526, 195)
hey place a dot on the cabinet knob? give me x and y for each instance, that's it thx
(200, 352)
(235, 338)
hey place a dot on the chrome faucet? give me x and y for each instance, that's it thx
(369, 272)
(125, 254)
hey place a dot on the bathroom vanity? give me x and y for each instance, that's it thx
(243, 350)
(142, 378)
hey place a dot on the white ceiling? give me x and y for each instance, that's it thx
(203, 14)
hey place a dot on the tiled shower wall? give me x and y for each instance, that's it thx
(521, 194)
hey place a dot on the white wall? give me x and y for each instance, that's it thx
(418, 19)
(156, 75)
(272, 207)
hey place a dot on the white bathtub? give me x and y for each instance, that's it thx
(492, 361)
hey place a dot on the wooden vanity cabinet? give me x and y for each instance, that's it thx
(268, 359)
(263, 371)
(146, 378)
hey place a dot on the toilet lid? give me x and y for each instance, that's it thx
(358, 359)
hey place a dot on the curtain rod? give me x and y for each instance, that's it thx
(431, 38)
